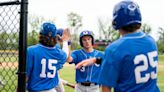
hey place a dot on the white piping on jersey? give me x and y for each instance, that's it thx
(92, 67)
(87, 66)
(135, 37)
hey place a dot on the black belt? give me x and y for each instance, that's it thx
(87, 83)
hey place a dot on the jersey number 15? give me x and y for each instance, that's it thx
(143, 68)
(45, 74)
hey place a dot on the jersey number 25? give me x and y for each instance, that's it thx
(143, 68)
(45, 74)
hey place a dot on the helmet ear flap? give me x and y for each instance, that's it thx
(81, 43)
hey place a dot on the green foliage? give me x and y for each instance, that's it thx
(75, 46)
(75, 22)
(74, 19)
(146, 28)
(35, 23)
(32, 38)
(106, 31)
(161, 48)
(9, 41)
(101, 48)
(160, 41)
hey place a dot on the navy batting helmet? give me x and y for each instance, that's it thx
(60, 31)
(86, 33)
(126, 13)
(48, 29)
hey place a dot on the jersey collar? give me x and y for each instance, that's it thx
(137, 34)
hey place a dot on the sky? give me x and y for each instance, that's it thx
(91, 10)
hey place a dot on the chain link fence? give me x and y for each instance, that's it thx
(9, 44)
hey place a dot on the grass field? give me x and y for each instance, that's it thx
(68, 74)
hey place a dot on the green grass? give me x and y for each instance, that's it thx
(9, 78)
(68, 73)
(161, 60)
(161, 73)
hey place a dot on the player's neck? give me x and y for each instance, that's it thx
(122, 32)
(88, 49)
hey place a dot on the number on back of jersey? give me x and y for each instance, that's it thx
(146, 60)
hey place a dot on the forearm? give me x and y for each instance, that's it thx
(96, 60)
(65, 48)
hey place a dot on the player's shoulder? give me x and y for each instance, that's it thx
(76, 51)
(116, 44)
(150, 38)
(33, 47)
(98, 51)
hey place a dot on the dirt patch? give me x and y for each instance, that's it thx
(161, 72)
(8, 64)
(161, 66)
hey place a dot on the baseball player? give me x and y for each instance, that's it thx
(130, 63)
(44, 60)
(86, 77)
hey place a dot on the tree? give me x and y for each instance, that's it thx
(9, 41)
(161, 35)
(75, 22)
(160, 41)
(106, 31)
(35, 23)
(146, 28)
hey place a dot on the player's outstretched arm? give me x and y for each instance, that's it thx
(86, 62)
(66, 35)
(65, 38)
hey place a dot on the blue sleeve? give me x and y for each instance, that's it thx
(62, 59)
(29, 62)
(74, 56)
(101, 54)
(58, 46)
(109, 70)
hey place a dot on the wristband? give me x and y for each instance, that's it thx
(69, 42)
(98, 60)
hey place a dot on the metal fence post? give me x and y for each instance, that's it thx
(22, 46)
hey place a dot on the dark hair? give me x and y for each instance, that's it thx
(131, 27)
(47, 41)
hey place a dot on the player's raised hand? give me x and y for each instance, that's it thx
(86, 62)
(66, 35)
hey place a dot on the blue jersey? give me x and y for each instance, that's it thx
(58, 46)
(130, 64)
(42, 65)
(88, 73)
